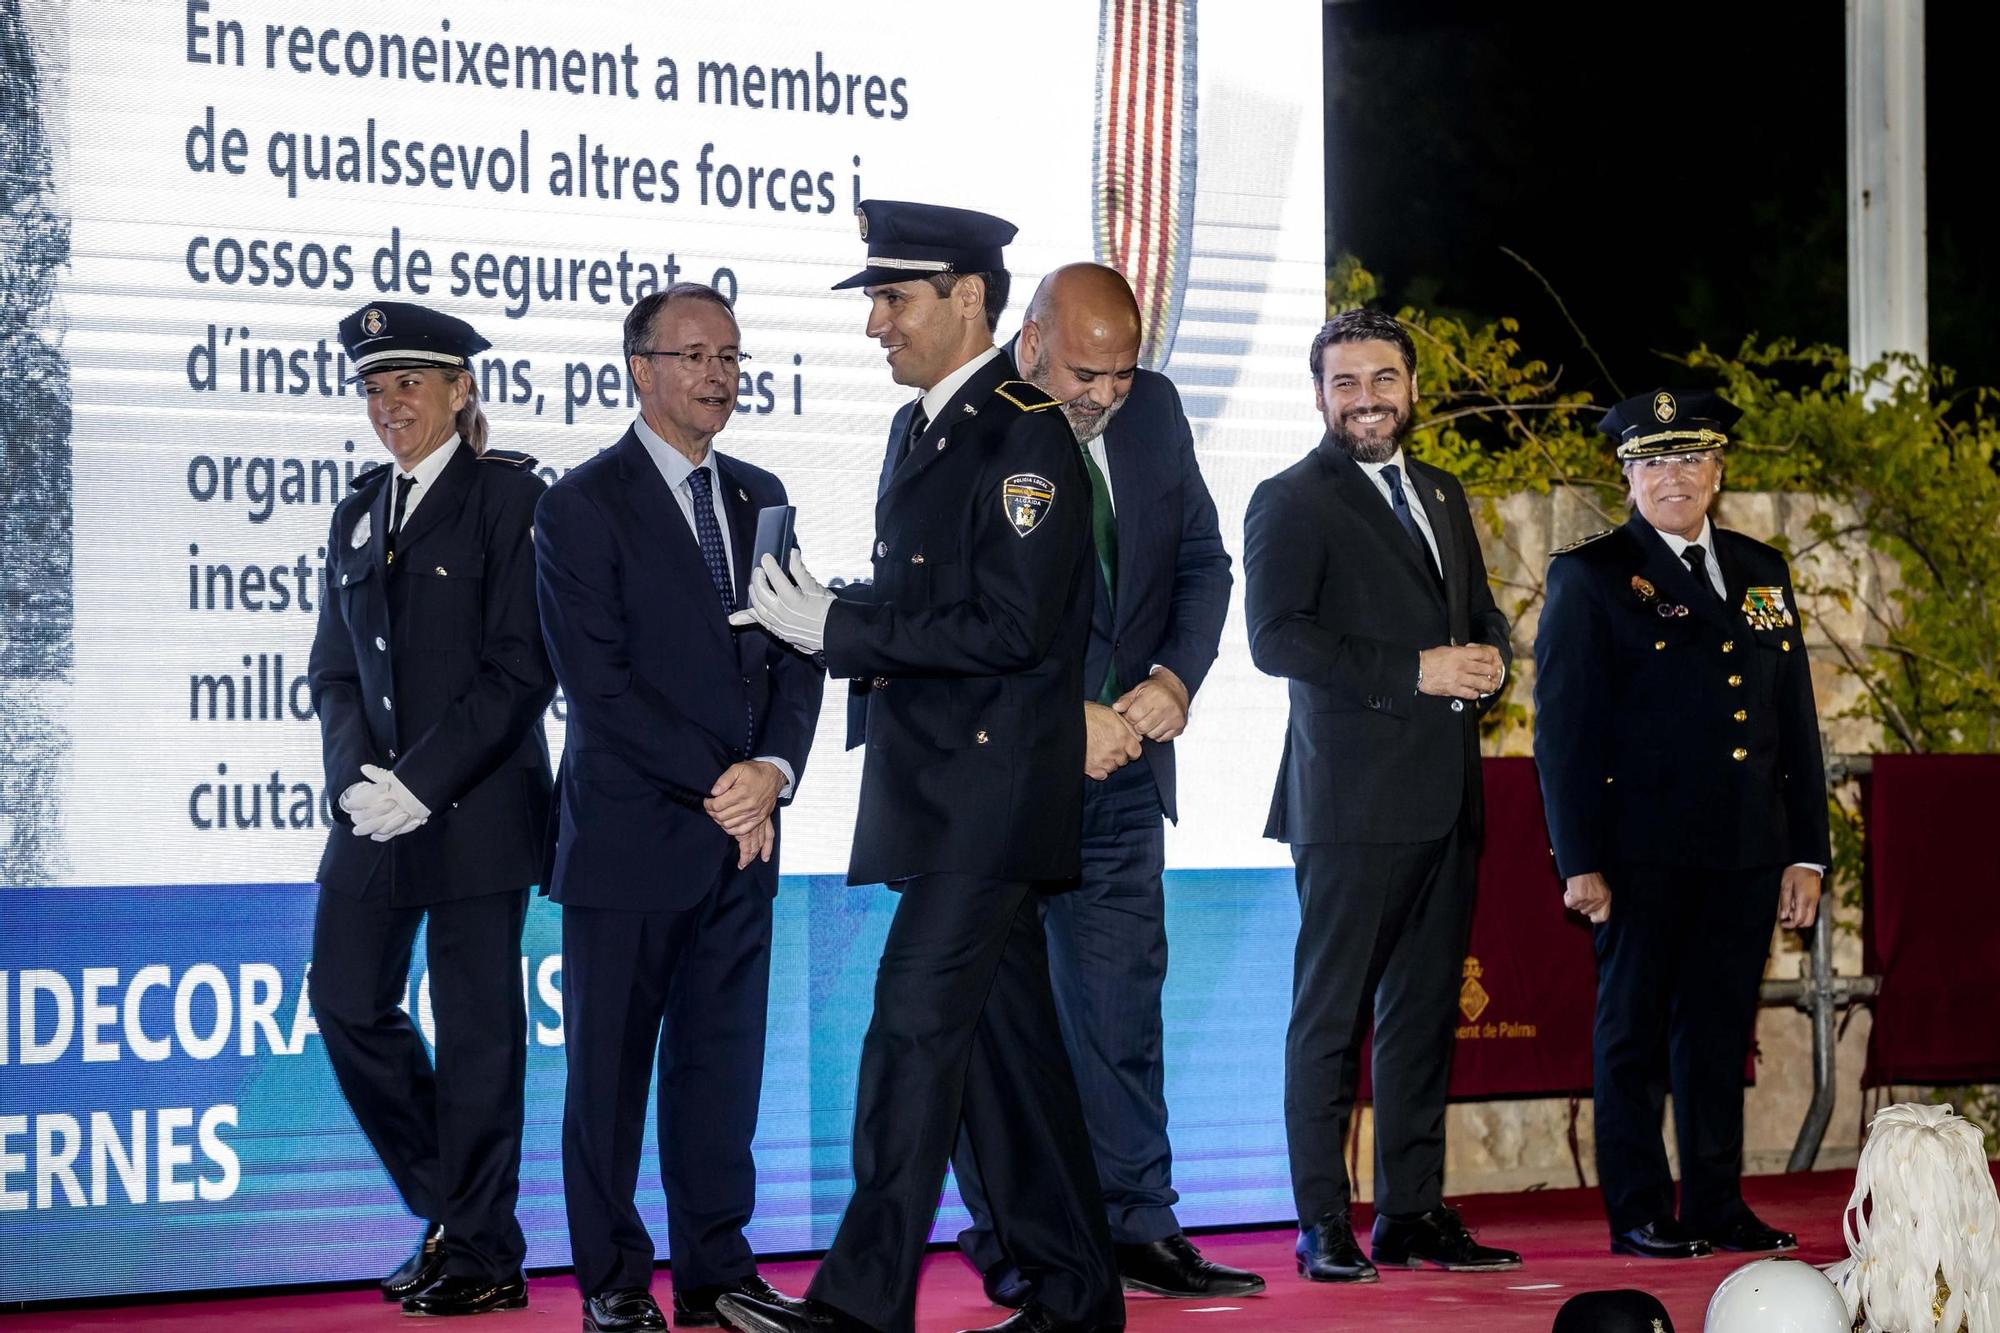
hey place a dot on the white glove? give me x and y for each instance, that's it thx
(394, 809)
(793, 609)
(358, 797)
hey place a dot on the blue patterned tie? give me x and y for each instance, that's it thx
(710, 534)
(1401, 504)
(717, 560)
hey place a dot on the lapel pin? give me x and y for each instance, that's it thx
(968, 409)
(743, 495)
(940, 445)
(1439, 493)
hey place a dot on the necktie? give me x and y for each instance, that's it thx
(404, 485)
(1401, 504)
(1697, 560)
(709, 532)
(920, 422)
(1104, 536)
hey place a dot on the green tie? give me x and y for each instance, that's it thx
(1104, 534)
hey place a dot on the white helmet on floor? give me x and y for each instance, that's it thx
(1776, 1296)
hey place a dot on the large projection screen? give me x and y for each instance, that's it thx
(198, 190)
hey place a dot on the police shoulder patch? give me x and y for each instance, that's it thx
(1582, 542)
(1026, 499)
(1025, 396)
(511, 457)
(367, 474)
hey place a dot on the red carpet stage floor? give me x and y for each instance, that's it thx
(1560, 1234)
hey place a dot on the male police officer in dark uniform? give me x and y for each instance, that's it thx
(972, 637)
(429, 679)
(1678, 744)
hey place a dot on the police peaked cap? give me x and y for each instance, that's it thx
(908, 241)
(1623, 1311)
(1670, 421)
(396, 335)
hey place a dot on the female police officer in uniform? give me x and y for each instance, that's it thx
(429, 677)
(1679, 751)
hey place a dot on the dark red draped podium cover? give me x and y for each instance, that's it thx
(1530, 979)
(1932, 918)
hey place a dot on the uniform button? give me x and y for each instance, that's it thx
(746, 680)
(1607, 782)
(1729, 645)
(1735, 681)
(392, 754)
(1786, 644)
(1458, 705)
(881, 549)
(980, 737)
(343, 580)
(1739, 754)
(387, 705)
(1659, 645)
(440, 571)
(917, 559)
(880, 682)
(1742, 715)
(381, 644)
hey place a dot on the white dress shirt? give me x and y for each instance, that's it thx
(1402, 466)
(428, 469)
(676, 470)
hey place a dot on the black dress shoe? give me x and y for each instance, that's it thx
(1328, 1252)
(1007, 1286)
(1659, 1240)
(1748, 1233)
(1174, 1267)
(456, 1295)
(748, 1314)
(1034, 1319)
(624, 1310)
(1437, 1238)
(695, 1307)
(424, 1266)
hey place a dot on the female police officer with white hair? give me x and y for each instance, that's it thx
(1679, 751)
(429, 677)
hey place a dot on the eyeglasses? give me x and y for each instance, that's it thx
(1659, 465)
(694, 361)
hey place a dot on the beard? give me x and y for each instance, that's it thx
(1086, 420)
(1364, 450)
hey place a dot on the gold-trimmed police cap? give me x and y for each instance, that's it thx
(908, 241)
(397, 335)
(1670, 421)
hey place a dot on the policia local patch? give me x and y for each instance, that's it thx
(1026, 500)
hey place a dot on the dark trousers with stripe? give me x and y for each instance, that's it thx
(1678, 967)
(965, 1028)
(1382, 934)
(1108, 965)
(688, 989)
(449, 1131)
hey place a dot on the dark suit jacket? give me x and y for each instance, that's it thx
(1340, 602)
(971, 637)
(1679, 739)
(660, 689)
(436, 671)
(1173, 572)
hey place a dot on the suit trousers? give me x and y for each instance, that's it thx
(449, 1130)
(1108, 963)
(1678, 967)
(691, 987)
(1382, 934)
(965, 1027)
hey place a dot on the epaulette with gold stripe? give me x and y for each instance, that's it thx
(1025, 396)
(1582, 542)
(512, 458)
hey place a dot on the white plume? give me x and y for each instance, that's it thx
(1923, 1205)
